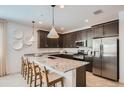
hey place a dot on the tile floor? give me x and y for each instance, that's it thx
(95, 81)
(16, 80)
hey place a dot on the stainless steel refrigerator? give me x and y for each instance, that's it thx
(105, 59)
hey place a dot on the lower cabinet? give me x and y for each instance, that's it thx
(90, 65)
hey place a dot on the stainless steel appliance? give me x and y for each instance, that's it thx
(81, 43)
(105, 59)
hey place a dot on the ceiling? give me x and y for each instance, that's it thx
(71, 17)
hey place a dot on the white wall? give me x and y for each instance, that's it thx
(121, 37)
(14, 57)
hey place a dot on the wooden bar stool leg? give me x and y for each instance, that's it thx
(40, 83)
(25, 74)
(40, 80)
(35, 81)
(54, 85)
(28, 77)
(62, 83)
(31, 79)
(22, 70)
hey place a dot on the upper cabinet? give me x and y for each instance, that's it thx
(80, 35)
(60, 41)
(97, 31)
(89, 37)
(42, 39)
(68, 40)
(53, 43)
(111, 28)
(106, 29)
(44, 42)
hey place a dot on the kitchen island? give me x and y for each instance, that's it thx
(73, 71)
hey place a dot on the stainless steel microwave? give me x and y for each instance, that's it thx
(81, 43)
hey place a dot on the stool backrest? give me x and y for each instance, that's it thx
(36, 68)
(44, 73)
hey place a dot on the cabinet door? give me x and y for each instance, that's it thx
(42, 40)
(81, 35)
(98, 31)
(60, 42)
(52, 43)
(89, 38)
(69, 40)
(65, 44)
(73, 39)
(111, 28)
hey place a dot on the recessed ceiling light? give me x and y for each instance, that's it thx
(40, 22)
(62, 6)
(86, 20)
(62, 28)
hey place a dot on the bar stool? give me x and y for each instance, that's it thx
(35, 75)
(24, 67)
(29, 70)
(52, 78)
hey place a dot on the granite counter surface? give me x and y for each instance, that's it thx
(57, 63)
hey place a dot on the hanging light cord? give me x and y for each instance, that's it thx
(33, 27)
(53, 14)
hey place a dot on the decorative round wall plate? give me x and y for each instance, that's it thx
(18, 34)
(27, 41)
(17, 45)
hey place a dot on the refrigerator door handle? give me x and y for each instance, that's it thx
(101, 50)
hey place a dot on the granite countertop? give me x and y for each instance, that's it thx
(57, 63)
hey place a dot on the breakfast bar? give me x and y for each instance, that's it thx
(73, 71)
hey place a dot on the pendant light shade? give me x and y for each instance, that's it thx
(53, 33)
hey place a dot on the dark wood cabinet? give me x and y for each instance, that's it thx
(42, 39)
(68, 40)
(81, 35)
(65, 39)
(106, 29)
(60, 41)
(72, 39)
(97, 31)
(52, 43)
(111, 28)
(89, 38)
(44, 42)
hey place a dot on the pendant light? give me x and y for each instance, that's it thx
(32, 38)
(53, 33)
